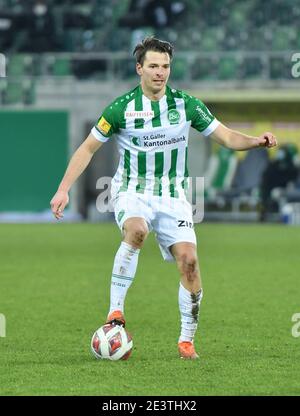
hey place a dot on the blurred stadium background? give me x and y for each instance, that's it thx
(66, 60)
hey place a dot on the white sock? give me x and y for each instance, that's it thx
(124, 269)
(189, 306)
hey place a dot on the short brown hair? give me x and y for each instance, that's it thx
(152, 44)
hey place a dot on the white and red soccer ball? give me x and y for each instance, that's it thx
(111, 342)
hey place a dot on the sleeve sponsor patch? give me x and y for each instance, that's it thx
(104, 125)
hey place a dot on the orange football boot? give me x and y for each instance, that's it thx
(116, 318)
(187, 350)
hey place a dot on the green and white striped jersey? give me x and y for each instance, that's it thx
(152, 138)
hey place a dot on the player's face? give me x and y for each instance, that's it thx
(155, 72)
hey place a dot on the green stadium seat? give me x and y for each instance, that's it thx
(211, 39)
(38, 65)
(228, 68)
(237, 17)
(257, 39)
(13, 93)
(220, 172)
(19, 65)
(278, 69)
(226, 163)
(61, 67)
(3, 84)
(252, 67)
(179, 69)
(209, 43)
(29, 92)
(282, 38)
(203, 69)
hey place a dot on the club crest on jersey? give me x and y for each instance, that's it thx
(104, 125)
(173, 116)
(139, 114)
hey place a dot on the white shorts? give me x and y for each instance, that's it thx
(170, 218)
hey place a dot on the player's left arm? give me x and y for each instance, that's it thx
(239, 141)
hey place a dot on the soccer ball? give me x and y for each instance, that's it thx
(111, 342)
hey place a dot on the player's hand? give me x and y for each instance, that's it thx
(267, 140)
(58, 203)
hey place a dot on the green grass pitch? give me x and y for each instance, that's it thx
(54, 293)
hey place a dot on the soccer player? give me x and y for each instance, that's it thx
(151, 125)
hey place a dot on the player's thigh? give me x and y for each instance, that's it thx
(131, 210)
(174, 224)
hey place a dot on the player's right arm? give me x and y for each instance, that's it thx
(106, 126)
(79, 161)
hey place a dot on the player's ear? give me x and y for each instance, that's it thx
(139, 68)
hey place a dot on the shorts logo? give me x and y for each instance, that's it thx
(183, 223)
(173, 116)
(104, 125)
(136, 141)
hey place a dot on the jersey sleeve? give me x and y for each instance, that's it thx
(106, 125)
(200, 116)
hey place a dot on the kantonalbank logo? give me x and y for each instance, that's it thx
(158, 140)
(173, 116)
(136, 141)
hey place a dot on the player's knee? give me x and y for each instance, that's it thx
(136, 234)
(187, 263)
(139, 235)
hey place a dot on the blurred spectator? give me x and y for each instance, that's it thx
(196, 25)
(29, 28)
(278, 174)
(293, 192)
(154, 13)
(41, 29)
